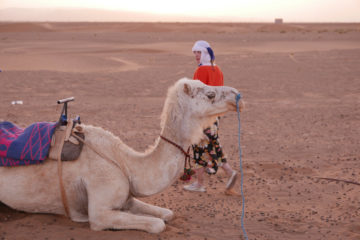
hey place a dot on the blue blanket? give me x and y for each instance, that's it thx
(25, 146)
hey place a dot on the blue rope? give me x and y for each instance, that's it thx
(238, 97)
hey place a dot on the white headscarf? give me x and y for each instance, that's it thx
(207, 54)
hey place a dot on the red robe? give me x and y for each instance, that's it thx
(209, 75)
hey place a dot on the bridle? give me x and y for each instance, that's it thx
(187, 155)
(187, 171)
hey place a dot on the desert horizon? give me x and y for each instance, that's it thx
(202, 27)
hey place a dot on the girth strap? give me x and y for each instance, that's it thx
(59, 164)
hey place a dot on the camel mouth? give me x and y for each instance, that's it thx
(232, 106)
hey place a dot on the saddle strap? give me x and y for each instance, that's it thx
(59, 164)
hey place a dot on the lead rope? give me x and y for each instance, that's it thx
(238, 97)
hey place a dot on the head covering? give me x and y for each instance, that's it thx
(207, 54)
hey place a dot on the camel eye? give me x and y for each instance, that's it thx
(210, 95)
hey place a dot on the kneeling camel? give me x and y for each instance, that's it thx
(105, 194)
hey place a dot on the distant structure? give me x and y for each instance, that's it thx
(278, 20)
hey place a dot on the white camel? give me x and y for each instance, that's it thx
(104, 194)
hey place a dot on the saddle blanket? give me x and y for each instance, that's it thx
(25, 146)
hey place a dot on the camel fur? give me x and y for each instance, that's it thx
(105, 194)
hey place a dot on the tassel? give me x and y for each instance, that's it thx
(188, 172)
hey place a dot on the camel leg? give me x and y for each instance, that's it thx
(116, 219)
(106, 207)
(138, 207)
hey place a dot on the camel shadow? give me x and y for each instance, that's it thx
(8, 214)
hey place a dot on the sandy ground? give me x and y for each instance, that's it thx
(301, 83)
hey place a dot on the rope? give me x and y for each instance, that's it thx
(238, 97)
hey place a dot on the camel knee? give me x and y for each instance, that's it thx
(96, 225)
(99, 222)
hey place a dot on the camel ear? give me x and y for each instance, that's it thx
(187, 89)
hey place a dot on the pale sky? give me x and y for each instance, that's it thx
(256, 10)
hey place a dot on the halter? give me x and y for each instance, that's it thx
(187, 171)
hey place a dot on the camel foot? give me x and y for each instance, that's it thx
(167, 215)
(138, 207)
(157, 227)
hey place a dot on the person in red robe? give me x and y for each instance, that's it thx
(209, 154)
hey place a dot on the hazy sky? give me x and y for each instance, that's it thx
(264, 10)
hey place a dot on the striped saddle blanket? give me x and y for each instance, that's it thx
(25, 146)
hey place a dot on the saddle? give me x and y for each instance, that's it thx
(64, 142)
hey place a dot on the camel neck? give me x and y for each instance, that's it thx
(186, 153)
(156, 170)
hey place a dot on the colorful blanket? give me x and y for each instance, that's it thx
(25, 146)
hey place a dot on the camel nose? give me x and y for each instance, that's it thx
(237, 94)
(234, 90)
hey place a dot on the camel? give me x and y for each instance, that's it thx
(106, 194)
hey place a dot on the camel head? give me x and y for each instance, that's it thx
(191, 106)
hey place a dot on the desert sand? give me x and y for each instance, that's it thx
(301, 125)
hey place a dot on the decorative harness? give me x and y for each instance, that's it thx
(187, 171)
